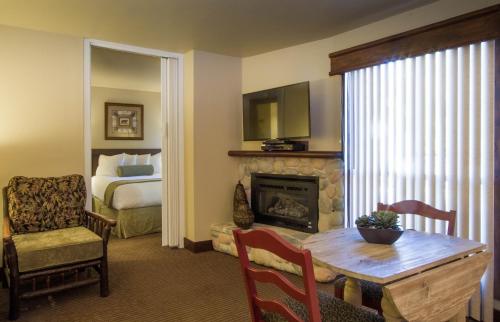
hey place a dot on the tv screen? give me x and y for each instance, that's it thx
(281, 112)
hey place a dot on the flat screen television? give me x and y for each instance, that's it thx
(277, 113)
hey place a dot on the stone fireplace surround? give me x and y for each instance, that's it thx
(330, 204)
(331, 183)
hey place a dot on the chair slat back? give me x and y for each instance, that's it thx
(419, 208)
(269, 240)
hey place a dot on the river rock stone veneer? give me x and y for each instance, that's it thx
(223, 241)
(330, 205)
(331, 182)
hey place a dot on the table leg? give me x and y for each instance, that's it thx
(352, 291)
(461, 315)
(391, 314)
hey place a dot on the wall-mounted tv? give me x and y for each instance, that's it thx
(281, 112)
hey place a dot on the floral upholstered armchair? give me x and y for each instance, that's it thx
(51, 243)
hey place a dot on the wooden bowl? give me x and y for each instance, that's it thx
(380, 236)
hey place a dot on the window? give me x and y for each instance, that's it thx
(423, 128)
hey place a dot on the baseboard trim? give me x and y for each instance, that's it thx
(198, 246)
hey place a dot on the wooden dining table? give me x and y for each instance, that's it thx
(425, 277)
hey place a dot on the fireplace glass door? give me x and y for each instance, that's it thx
(286, 201)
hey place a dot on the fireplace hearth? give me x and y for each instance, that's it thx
(288, 201)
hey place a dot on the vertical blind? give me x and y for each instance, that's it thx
(423, 128)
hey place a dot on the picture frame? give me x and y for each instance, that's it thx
(123, 121)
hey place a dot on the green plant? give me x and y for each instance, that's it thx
(379, 220)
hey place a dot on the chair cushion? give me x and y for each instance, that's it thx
(370, 290)
(41, 204)
(332, 310)
(56, 247)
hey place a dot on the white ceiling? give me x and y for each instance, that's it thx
(231, 27)
(116, 69)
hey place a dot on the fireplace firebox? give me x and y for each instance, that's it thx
(288, 201)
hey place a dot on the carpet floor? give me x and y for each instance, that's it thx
(152, 283)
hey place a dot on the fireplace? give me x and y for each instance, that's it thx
(288, 201)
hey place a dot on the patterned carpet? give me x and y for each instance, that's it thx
(151, 283)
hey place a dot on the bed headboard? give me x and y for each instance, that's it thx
(97, 152)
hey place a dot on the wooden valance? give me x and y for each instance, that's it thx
(466, 29)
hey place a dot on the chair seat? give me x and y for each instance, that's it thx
(332, 310)
(56, 247)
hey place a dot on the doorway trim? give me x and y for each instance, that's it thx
(172, 133)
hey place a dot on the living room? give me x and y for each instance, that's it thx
(44, 82)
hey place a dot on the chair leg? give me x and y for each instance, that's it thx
(5, 282)
(104, 277)
(14, 298)
(339, 292)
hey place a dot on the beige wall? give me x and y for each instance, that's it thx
(41, 85)
(212, 127)
(41, 129)
(325, 105)
(152, 117)
(122, 70)
(310, 61)
(41, 103)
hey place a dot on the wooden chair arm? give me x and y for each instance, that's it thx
(99, 225)
(110, 222)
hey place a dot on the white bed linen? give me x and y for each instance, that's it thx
(134, 195)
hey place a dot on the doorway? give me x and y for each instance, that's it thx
(170, 131)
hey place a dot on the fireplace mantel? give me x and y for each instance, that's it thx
(287, 154)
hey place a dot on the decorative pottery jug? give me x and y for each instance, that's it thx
(242, 213)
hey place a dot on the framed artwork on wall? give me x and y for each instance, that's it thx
(123, 121)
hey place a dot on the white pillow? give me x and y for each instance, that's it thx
(156, 162)
(108, 164)
(129, 159)
(143, 159)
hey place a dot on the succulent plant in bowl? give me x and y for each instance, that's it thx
(381, 227)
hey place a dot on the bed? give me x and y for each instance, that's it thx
(133, 201)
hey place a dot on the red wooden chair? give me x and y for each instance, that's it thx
(302, 304)
(419, 208)
(372, 293)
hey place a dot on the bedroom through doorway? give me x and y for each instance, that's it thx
(126, 140)
(132, 159)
